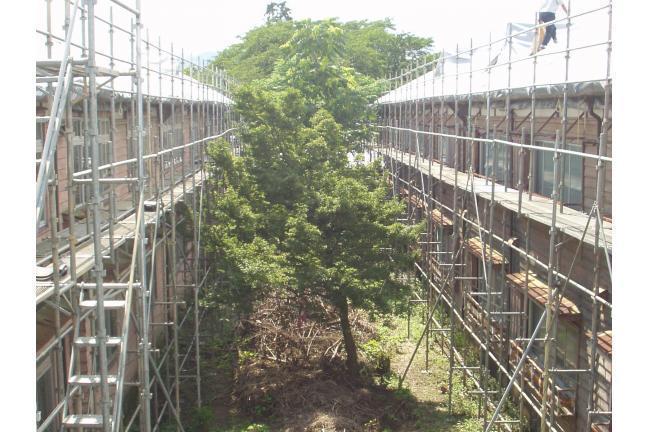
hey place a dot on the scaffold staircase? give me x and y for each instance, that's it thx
(90, 379)
(90, 306)
(93, 395)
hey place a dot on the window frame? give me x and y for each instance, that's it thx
(572, 195)
(45, 371)
(40, 136)
(501, 161)
(42, 220)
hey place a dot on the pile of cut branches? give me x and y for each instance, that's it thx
(298, 334)
(291, 367)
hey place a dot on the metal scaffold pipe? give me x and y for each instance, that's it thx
(96, 222)
(144, 379)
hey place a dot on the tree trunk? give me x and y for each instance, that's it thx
(349, 342)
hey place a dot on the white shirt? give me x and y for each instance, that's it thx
(549, 5)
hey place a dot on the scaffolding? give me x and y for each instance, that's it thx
(110, 195)
(454, 149)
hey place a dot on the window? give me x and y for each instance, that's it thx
(173, 138)
(443, 250)
(79, 165)
(105, 153)
(535, 312)
(39, 140)
(194, 131)
(567, 338)
(83, 153)
(103, 127)
(77, 127)
(79, 156)
(42, 219)
(495, 283)
(105, 157)
(112, 329)
(567, 344)
(44, 393)
(447, 151)
(572, 194)
(486, 160)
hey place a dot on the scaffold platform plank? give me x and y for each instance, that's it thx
(440, 219)
(122, 231)
(539, 292)
(570, 222)
(474, 246)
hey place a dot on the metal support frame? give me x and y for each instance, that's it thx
(511, 235)
(91, 391)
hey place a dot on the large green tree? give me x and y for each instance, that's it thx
(372, 48)
(296, 213)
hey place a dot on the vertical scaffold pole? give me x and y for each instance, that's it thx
(549, 343)
(182, 122)
(522, 320)
(455, 236)
(160, 116)
(489, 281)
(173, 249)
(132, 140)
(508, 155)
(600, 198)
(408, 136)
(84, 188)
(399, 141)
(113, 129)
(532, 154)
(145, 414)
(96, 222)
(196, 282)
(483, 370)
(474, 148)
(565, 110)
(153, 184)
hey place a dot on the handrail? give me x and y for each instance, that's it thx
(126, 319)
(58, 104)
(499, 141)
(152, 155)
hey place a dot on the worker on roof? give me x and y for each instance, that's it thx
(546, 14)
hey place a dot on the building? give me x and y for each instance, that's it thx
(507, 156)
(118, 241)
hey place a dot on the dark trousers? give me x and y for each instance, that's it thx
(550, 30)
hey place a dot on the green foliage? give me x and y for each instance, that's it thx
(276, 12)
(249, 263)
(201, 419)
(369, 48)
(263, 408)
(257, 427)
(246, 427)
(375, 49)
(245, 356)
(314, 62)
(293, 215)
(255, 56)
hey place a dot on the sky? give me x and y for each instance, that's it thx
(206, 26)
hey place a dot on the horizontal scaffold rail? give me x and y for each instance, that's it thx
(123, 230)
(570, 222)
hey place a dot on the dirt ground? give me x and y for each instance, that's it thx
(259, 389)
(430, 389)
